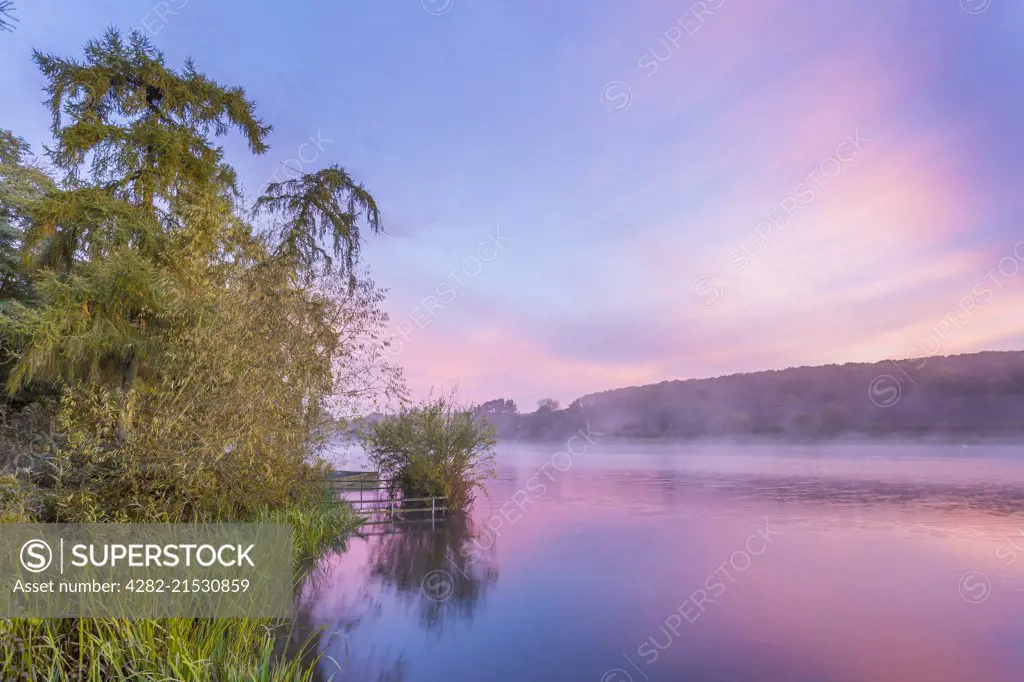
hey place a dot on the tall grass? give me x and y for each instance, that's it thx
(170, 649)
(165, 649)
(317, 527)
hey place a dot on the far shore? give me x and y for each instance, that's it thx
(847, 439)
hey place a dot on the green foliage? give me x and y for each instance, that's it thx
(22, 185)
(103, 320)
(318, 526)
(230, 416)
(144, 125)
(13, 501)
(166, 359)
(154, 649)
(198, 359)
(328, 203)
(436, 448)
(143, 219)
(171, 648)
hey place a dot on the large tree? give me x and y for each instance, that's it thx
(22, 183)
(198, 352)
(144, 207)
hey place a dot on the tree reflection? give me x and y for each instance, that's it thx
(444, 570)
(329, 644)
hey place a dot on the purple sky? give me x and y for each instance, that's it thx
(587, 195)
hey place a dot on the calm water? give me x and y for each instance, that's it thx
(667, 563)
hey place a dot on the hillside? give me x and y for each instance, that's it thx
(980, 394)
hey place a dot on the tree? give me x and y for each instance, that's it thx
(665, 421)
(7, 18)
(738, 422)
(547, 404)
(328, 203)
(366, 379)
(22, 183)
(199, 357)
(409, 560)
(146, 207)
(834, 420)
(497, 406)
(195, 357)
(803, 424)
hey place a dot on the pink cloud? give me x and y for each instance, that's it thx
(863, 272)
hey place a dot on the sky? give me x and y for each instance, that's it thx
(584, 195)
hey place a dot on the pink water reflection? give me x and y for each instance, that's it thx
(862, 578)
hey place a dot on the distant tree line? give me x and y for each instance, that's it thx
(980, 394)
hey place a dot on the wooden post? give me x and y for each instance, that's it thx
(433, 501)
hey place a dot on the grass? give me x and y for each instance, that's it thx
(165, 649)
(222, 649)
(318, 527)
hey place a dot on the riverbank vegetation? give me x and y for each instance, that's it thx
(437, 448)
(173, 351)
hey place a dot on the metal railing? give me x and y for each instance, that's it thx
(386, 509)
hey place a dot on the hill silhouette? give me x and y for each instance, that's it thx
(950, 397)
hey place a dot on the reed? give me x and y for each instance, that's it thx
(229, 649)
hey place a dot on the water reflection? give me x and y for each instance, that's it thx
(443, 572)
(885, 570)
(437, 576)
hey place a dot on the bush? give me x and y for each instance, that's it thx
(437, 448)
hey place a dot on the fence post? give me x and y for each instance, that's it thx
(433, 502)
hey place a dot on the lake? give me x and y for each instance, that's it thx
(619, 562)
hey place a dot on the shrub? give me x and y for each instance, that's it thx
(437, 448)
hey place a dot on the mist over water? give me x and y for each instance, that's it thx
(618, 561)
